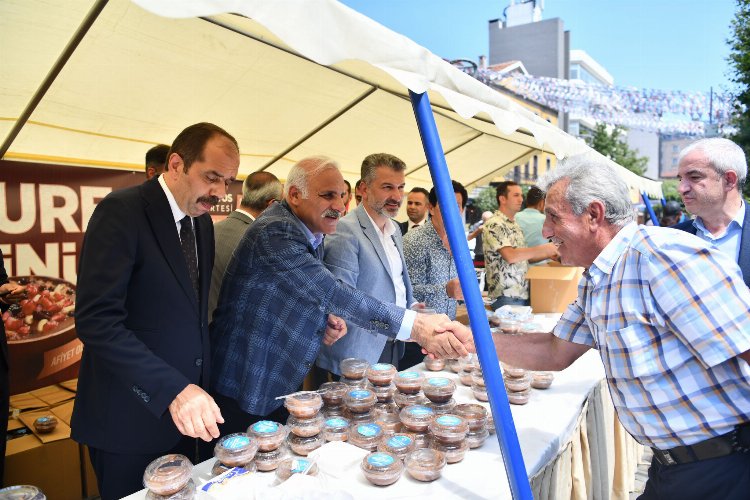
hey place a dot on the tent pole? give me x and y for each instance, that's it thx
(72, 45)
(649, 208)
(506, 431)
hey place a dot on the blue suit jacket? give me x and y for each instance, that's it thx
(355, 255)
(144, 330)
(744, 258)
(272, 313)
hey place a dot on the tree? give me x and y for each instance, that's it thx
(486, 200)
(611, 145)
(739, 60)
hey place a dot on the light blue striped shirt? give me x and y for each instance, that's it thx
(669, 316)
(731, 240)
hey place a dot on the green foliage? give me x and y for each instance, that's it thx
(739, 60)
(486, 200)
(669, 190)
(611, 145)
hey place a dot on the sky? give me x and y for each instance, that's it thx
(659, 44)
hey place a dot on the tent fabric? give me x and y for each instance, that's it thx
(287, 78)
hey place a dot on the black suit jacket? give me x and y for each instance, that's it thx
(744, 258)
(144, 330)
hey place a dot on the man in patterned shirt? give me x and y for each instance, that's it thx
(506, 257)
(668, 314)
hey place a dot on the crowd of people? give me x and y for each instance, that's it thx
(293, 281)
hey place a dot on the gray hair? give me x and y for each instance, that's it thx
(300, 174)
(371, 163)
(722, 154)
(592, 178)
(259, 188)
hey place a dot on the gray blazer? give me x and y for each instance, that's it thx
(355, 255)
(227, 234)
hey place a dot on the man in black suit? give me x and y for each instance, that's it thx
(140, 388)
(712, 174)
(416, 209)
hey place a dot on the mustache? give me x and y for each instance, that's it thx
(332, 213)
(212, 200)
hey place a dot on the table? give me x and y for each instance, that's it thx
(572, 444)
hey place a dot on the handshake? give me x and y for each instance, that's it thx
(442, 338)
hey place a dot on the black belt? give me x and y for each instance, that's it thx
(720, 446)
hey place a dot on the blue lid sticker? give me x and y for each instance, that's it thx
(381, 366)
(360, 394)
(438, 381)
(43, 420)
(400, 441)
(369, 430)
(336, 422)
(300, 465)
(409, 375)
(419, 411)
(265, 427)
(380, 459)
(235, 442)
(448, 420)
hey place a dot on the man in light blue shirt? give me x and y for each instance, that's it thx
(531, 220)
(712, 173)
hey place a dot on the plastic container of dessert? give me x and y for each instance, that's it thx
(453, 452)
(384, 393)
(519, 397)
(270, 435)
(358, 418)
(168, 474)
(381, 373)
(409, 382)
(416, 418)
(354, 368)
(236, 450)
(398, 444)
(449, 429)
(453, 365)
(267, 461)
(513, 371)
(480, 392)
(425, 464)
(366, 436)
(442, 408)
(389, 422)
(360, 400)
(542, 380)
(45, 424)
(291, 466)
(490, 423)
(335, 429)
(304, 404)
(477, 438)
(421, 439)
(517, 384)
(403, 400)
(477, 377)
(468, 363)
(354, 383)
(475, 415)
(382, 468)
(510, 325)
(187, 492)
(334, 411)
(305, 427)
(438, 389)
(305, 445)
(332, 393)
(465, 377)
(220, 468)
(434, 365)
(380, 408)
(22, 492)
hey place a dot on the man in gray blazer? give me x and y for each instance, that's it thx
(366, 252)
(259, 190)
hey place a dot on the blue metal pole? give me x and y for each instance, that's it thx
(649, 208)
(506, 430)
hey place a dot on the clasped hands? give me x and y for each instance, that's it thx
(442, 338)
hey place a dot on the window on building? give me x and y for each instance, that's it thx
(526, 171)
(517, 174)
(536, 167)
(549, 164)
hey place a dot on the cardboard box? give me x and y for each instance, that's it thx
(553, 287)
(53, 467)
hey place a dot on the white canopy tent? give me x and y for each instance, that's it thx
(288, 79)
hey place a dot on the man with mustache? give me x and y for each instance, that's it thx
(712, 174)
(366, 252)
(279, 303)
(144, 369)
(667, 312)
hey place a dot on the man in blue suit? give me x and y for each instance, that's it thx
(712, 174)
(366, 252)
(144, 368)
(279, 303)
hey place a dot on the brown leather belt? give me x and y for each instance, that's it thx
(716, 447)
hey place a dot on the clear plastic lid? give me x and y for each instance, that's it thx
(519, 397)
(468, 363)
(270, 435)
(22, 492)
(381, 373)
(354, 368)
(409, 382)
(517, 384)
(403, 400)
(168, 474)
(542, 380)
(366, 435)
(382, 468)
(336, 429)
(477, 438)
(384, 393)
(438, 389)
(360, 400)
(268, 460)
(292, 466)
(480, 392)
(453, 452)
(474, 414)
(398, 444)
(333, 393)
(442, 408)
(304, 404)
(449, 428)
(389, 422)
(513, 371)
(305, 445)
(187, 492)
(236, 449)
(305, 427)
(417, 418)
(510, 325)
(425, 464)
(434, 365)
